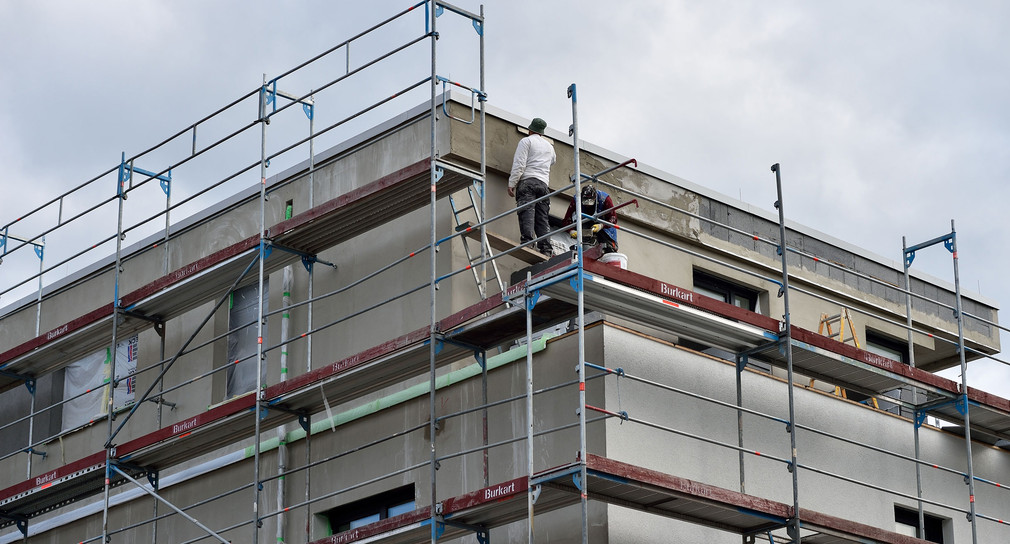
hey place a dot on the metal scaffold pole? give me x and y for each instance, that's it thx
(794, 524)
(583, 482)
(915, 401)
(529, 301)
(432, 286)
(110, 383)
(970, 478)
(259, 310)
(950, 243)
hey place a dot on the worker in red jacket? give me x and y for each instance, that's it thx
(594, 200)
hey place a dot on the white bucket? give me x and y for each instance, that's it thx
(619, 260)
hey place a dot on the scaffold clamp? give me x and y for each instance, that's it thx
(531, 299)
(33, 451)
(920, 418)
(577, 480)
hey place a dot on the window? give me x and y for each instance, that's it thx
(369, 510)
(88, 375)
(886, 346)
(242, 312)
(731, 293)
(906, 522)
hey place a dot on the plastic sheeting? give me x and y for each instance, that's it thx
(242, 343)
(89, 374)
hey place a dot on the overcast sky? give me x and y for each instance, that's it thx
(889, 119)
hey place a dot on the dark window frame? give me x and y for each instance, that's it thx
(730, 290)
(910, 517)
(341, 517)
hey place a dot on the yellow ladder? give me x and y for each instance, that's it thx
(824, 328)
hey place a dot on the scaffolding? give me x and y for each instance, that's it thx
(564, 289)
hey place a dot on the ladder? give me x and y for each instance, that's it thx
(824, 328)
(841, 318)
(465, 217)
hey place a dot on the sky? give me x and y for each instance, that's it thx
(889, 119)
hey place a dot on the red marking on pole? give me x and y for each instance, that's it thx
(411, 255)
(817, 259)
(433, 187)
(155, 245)
(263, 181)
(674, 304)
(955, 254)
(757, 453)
(106, 481)
(971, 498)
(756, 237)
(259, 340)
(237, 360)
(934, 466)
(468, 267)
(582, 386)
(468, 229)
(304, 334)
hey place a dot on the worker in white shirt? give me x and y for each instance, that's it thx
(531, 169)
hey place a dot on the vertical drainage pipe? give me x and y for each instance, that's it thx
(282, 431)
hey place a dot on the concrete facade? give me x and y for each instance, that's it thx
(353, 321)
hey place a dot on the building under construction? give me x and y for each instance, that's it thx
(355, 348)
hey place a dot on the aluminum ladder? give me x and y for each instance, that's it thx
(465, 217)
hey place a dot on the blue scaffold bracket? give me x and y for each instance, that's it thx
(576, 282)
(949, 243)
(478, 26)
(571, 93)
(920, 418)
(909, 257)
(39, 249)
(741, 363)
(531, 300)
(307, 262)
(961, 405)
(309, 109)
(438, 528)
(3, 242)
(267, 249)
(577, 480)
(30, 384)
(439, 10)
(438, 174)
(438, 346)
(264, 411)
(166, 184)
(481, 358)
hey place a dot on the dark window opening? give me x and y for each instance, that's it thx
(728, 292)
(886, 346)
(906, 522)
(371, 509)
(731, 293)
